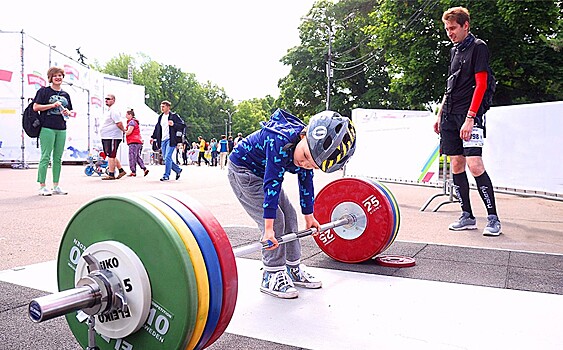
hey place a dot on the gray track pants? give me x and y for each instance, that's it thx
(249, 189)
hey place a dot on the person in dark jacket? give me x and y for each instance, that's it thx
(165, 134)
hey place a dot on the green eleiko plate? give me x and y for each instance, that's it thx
(152, 237)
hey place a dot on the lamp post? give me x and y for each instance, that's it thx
(328, 67)
(51, 47)
(230, 121)
(328, 60)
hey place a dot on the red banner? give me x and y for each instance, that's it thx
(5, 75)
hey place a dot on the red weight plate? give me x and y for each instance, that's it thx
(226, 260)
(395, 261)
(354, 192)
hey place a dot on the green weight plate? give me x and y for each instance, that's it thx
(172, 317)
(197, 261)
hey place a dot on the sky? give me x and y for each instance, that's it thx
(235, 44)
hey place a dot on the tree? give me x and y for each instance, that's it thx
(303, 91)
(527, 69)
(395, 54)
(358, 77)
(250, 113)
(199, 105)
(119, 65)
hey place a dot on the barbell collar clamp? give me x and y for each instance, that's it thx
(98, 292)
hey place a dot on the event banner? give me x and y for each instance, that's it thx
(395, 145)
(521, 152)
(23, 70)
(523, 147)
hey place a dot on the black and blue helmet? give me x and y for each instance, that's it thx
(332, 140)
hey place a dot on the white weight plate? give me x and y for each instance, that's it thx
(126, 265)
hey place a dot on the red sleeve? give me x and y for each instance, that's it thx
(480, 88)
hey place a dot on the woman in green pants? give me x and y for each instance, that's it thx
(55, 107)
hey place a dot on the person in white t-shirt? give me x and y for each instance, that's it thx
(111, 133)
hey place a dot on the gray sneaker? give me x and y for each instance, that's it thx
(279, 285)
(302, 278)
(493, 227)
(465, 222)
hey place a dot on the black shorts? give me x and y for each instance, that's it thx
(450, 142)
(110, 147)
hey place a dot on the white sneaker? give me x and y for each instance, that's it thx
(279, 285)
(58, 190)
(44, 191)
(302, 278)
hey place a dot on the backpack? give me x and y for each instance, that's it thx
(491, 85)
(490, 92)
(31, 121)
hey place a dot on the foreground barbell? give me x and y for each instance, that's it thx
(157, 271)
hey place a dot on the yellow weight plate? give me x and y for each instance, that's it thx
(197, 261)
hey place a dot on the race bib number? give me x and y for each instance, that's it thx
(476, 139)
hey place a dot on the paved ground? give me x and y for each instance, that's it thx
(527, 257)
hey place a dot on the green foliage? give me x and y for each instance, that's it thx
(395, 53)
(198, 104)
(384, 54)
(248, 117)
(119, 65)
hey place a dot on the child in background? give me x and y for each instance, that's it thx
(135, 143)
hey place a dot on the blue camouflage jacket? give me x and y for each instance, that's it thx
(268, 153)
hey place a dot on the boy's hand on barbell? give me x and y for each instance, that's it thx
(311, 222)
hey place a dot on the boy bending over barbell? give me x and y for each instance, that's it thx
(256, 171)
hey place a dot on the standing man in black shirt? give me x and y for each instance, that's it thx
(460, 119)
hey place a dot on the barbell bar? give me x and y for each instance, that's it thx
(93, 291)
(357, 211)
(348, 219)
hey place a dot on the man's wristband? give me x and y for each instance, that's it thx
(470, 117)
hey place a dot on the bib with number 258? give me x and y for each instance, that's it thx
(476, 139)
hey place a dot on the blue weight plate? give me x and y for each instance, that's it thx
(194, 252)
(211, 262)
(226, 259)
(394, 210)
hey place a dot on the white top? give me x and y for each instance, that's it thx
(109, 130)
(165, 127)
